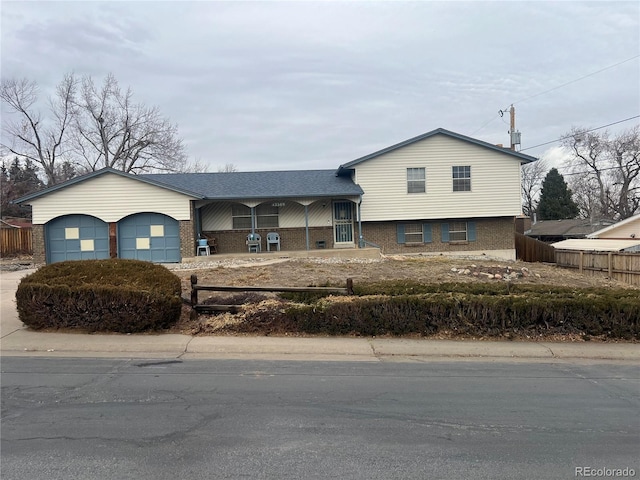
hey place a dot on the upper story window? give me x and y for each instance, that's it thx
(416, 180)
(462, 179)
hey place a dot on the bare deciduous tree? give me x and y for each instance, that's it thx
(228, 168)
(111, 130)
(31, 137)
(533, 175)
(88, 128)
(611, 169)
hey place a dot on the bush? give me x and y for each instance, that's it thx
(470, 309)
(100, 295)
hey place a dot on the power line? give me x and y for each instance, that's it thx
(577, 79)
(556, 88)
(586, 131)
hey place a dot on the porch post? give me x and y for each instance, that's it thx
(253, 220)
(360, 239)
(306, 223)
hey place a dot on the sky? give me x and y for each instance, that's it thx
(312, 85)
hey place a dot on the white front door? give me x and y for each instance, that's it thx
(343, 224)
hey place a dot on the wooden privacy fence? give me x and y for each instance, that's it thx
(14, 241)
(531, 250)
(197, 307)
(621, 266)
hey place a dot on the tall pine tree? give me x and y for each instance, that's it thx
(555, 199)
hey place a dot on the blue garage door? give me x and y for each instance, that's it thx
(149, 236)
(76, 237)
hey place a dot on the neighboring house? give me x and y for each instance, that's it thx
(625, 229)
(623, 236)
(440, 192)
(557, 230)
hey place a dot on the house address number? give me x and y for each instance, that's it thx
(278, 204)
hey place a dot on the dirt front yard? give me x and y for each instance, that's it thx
(334, 271)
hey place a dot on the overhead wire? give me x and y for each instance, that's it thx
(501, 112)
(585, 131)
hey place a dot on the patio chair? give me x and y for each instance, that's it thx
(273, 238)
(254, 242)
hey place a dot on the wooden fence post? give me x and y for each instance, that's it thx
(349, 286)
(194, 291)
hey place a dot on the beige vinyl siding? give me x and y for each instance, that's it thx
(623, 231)
(495, 182)
(110, 197)
(217, 216)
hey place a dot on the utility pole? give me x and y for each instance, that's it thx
(513, 134)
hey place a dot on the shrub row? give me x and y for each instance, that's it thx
(615, 314)
(100, 295)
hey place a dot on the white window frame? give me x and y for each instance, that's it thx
(458, 232)
(461, 175)
(413, 233)
(416, 180)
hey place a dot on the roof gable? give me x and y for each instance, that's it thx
(615, 226)
(523, 158)
(98, 173)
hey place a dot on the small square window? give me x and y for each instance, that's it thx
(413, 233)
(458, 231)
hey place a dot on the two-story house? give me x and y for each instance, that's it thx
(440, 192)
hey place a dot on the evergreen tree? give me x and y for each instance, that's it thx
(20, 179)
(555, 198)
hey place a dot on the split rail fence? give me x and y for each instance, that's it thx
(199, 307)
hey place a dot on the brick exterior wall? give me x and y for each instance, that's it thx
(37, 239)
(491, 234)
(187, 239)
(234, 241)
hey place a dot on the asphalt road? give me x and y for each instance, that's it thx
(216, 419)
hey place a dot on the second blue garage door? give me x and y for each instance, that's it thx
(149, 236)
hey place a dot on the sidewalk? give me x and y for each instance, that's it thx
(19, 341)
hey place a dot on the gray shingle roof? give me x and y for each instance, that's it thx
(237, 185)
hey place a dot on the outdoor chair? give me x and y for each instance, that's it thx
(273, 238)
(254, 242)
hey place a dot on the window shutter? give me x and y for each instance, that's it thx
(426, 233)
(471, 231)
(444, 230)
(400, 233)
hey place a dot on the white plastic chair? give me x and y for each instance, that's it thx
(254, 242)
(273, 238)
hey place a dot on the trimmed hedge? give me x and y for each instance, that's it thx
(469, 314)
(493, 309)
(114, 295)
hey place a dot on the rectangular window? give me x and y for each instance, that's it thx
(458, 231)
(416, 180)
(241, 215)
(413, 232)
(462, 179)
(267, 216)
